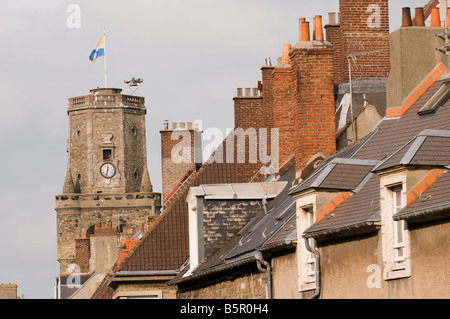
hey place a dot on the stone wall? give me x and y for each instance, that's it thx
(248, 286)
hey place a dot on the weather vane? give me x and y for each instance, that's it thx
(133, 83)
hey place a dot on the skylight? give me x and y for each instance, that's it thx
(437, 100)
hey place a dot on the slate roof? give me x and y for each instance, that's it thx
(267, 230)
(434, 201)
(411, 139)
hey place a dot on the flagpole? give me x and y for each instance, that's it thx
(104, 58)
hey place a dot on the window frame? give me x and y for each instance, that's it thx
(394, 267)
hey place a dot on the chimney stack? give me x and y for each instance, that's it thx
(313, 106)
(181, 153)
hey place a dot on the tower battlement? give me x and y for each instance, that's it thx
(109, 200)
(100, 98)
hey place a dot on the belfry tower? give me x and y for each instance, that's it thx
(107, 179)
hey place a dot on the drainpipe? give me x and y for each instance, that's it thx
(268, 270)
(317, 256)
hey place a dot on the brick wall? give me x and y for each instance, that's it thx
(314, 118)
(333, 35)
(82, 253)
(283, 86)
(249, 114)
(364, 27)
(175, 169)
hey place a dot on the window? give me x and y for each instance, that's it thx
(394, 234)
(107, 154)
(399, 229)
(311, 259)
(437, 100)
(306, 259)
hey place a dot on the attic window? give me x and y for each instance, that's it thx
(437, 100)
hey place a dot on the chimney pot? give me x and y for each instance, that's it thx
(182, 125)
(406, 17)
(189, 125)
(448, 16)
(268, 62)
(247, 92)
(318, 31)
(419, 17)
(332, 18)
(239, 92)
(285, 54)
(435, 17)
(300, 21)
(305, 32)
(255, 92)
(166, 124)
(174, 125)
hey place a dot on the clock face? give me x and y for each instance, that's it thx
(108, 170)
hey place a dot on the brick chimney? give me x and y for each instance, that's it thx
(252, 112)
(363, 27)
(181, 153)
(283, 87)
(82, 253)
(313, 99)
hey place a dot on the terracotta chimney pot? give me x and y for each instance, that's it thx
(300, 21)
(435, 18)
(305, 32)
(420, 18)
(285, 54)
(406, 17)
(318, 31)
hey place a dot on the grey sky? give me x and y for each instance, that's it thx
(192, 55)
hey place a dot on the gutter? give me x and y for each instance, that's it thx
(316, 294)
(145, 273)
(239, 261)
(268, 270)
(422, 213)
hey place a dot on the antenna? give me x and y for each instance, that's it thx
(445, 36)
(133, 84)
(353, 57)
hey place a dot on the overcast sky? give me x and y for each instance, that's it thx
(192, 55)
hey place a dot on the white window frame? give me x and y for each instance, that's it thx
(305, 259)
(311, 259)
(395, 266)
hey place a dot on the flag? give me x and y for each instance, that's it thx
(98, 51)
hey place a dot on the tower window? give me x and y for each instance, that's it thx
(134, 131)
(107, 154)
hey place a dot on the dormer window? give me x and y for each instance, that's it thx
(437, 100)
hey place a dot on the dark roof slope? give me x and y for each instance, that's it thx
(434, 203)
(390, 142)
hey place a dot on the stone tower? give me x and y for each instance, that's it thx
(107, 179)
